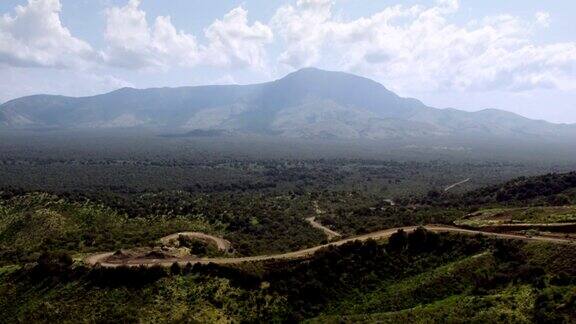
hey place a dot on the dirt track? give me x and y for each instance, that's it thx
(452, 186)
(330, 234)
(101, 258)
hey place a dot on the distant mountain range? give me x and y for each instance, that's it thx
(308, 103)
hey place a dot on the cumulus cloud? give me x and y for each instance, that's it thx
(132, 43)
(417, 48)
(235, 43)
(232, 42)
(413, 48)
(304, 28)
(35, 36)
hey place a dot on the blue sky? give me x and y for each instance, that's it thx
(513, 55)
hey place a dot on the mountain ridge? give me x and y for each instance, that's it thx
(306, 103)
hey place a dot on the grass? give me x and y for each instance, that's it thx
(32, 223)
(530, 215)
(9, 269)
(173, 299)
(511, 305)
(553, 258)
(454, 278)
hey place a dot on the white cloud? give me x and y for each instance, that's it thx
(411, 48)
(418, 49)
(304, 29)
(35, 36)
(132, 43)
(232, 42)
(543, 18)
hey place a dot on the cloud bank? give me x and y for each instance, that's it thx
(418, 47)
(134, 44)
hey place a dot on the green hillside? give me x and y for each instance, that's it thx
(431, 278)
(418, 277)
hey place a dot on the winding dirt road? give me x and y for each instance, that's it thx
(103, 258)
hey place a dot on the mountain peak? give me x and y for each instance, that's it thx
(313, 71)
(309, 69)
(318, 78)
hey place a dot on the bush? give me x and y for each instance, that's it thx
(397, 241)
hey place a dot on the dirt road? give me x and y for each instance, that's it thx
(102, 258)
(390, 201)
(452, 186)
(330, 234)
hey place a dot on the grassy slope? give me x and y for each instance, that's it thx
(512, 305)
(440, 294)
(171, 299)
(32, 223)
(534, 215)
(454, 278)
(446, 294)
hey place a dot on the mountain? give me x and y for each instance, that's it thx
(307, 103)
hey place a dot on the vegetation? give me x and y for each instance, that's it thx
(119, 199)
(534, 215)
(554, 189)
(136, 163)
(546, 189)
(415, 277)
(32, 223)
(35, 223)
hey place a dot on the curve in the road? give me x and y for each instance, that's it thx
(102, 258)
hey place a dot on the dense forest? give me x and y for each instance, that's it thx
(136, 163)
(553, 189)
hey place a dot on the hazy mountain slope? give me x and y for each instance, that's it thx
(153, 107)
(306, 103)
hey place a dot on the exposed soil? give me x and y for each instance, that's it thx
(452, 186)
(221, 243)
(330, 234)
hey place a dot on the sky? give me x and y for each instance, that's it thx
(515, 55)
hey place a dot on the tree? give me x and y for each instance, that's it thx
(397, 241)
(417, 240)
(175, 269)
(559, 200)
(54, 262)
